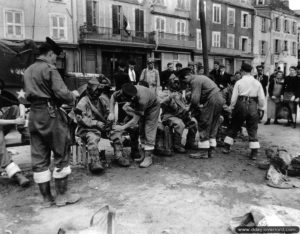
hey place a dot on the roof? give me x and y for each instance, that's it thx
(237, 3)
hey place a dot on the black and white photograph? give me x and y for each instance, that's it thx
(149, 116)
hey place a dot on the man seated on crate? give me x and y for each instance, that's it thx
(91, 116)
(175, 114)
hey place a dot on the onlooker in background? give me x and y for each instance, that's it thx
(178, 66)
(223, 79)
(165, 75)
(150, 75)
(133, 75)
(200, 69)
(262, 78)
(120, 78)
(191, 65)
(289, 95)
(275, 92)
(215, 73)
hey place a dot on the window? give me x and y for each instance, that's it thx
(285, 46)
(198, 9)
(230, 41)
(277, 24)
(230, 16)
(264, 24)
(294, 50)
(216, 39)
(260, 2)
(294, 29)
(180, 28)
(58, 27)
(175, 57)
(116, 19)
(216, 13)
(245, 44)
(263, 48)
(244, 1)
(183, 4)
(160, 26)
(160, 2)
(199, 39)
(286, 26)
(246, 20)
(139, 23)
(277, 47)
(91, 12)
(14, 24)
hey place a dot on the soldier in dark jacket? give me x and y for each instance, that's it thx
(48, 124)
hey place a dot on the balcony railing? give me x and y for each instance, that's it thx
(112, 34)
(171, 39)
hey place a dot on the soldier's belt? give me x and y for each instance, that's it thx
(247, 98)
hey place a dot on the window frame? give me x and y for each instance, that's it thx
(186, 4)
(279, 46)
(199, 39)
(264, 24)
(286, 26)
(259, 4)
(263, 49)
(247, 49)
(277, 24)
(233, 41)
(213, 42)
(248, 24)
(160, 4)
(220, 13)
(58, 27)
(228, 10)
(185, 28)
(6, 24)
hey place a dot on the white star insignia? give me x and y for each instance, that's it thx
(21, 94)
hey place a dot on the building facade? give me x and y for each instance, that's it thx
(35, 20)
(229, 32)
(276, 36)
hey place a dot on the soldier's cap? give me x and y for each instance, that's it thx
(246, 67)
(50, 45)
(93, 81)
(150, 60)
(129, 90)
(183, 72)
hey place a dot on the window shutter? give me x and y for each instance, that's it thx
(261, 47)
(240, 44)
(279, 24)
(249, 21)
(116, 19)
(89, 12)
(280, 46)
(141, 21)
(249, 49)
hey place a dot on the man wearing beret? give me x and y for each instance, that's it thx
(145, 111)
(206, 106)
(48, 124)
(247, 103)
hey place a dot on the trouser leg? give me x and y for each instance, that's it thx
(92, 140)
(178, 127)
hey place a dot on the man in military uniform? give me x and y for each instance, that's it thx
(146, 108)
(92, 112)
(48, 124)
(247, 103)
(176, 115)
(206, 106)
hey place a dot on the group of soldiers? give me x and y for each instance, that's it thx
(194, 102)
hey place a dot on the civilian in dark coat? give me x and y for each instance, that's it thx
(263, 79)
(215, 73)
(134, 76)
(120, 78)
(223, 79)
(165, 75)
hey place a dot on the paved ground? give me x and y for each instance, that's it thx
(176, 195)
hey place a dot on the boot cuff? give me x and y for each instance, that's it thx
(42, 177)
(212, 142)
(12, 169)
(149, 147)
(254, 145)
(59, 173)
(203, 144)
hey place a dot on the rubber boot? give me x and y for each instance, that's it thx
(120, 157)
(226, 149)
(191, 140)
(254, 154)
(21, 179)
(202, 154)
(45, 190)
(95, 165)
(63, 197)
(211, 152)
(147, 162)
(178, 148)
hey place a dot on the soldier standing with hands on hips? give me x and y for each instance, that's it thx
(48, 124)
